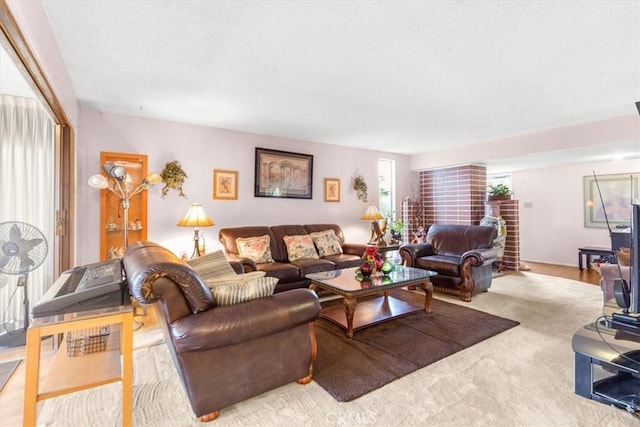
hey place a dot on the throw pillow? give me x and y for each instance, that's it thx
(257, 249)
(234, 278)
(240, 292)
(211, 265)
(300, 247)
(327, 242)
(623, 256)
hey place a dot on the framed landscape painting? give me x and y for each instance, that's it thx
(283, 174)
(609, 198)
(331, 190)
(225, 184)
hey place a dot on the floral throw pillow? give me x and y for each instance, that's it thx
(257, 249)
(327, 242)
(300, 247)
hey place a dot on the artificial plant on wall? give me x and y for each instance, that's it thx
(360, 186)
(173, 177)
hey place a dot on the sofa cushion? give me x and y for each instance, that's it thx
(327, 243)
(246, 291)
(257, 248)
(344, 260)
(447, 265)
(282, 270)
(300, 247)
(456, 239)
(308, 266)
(211, 265)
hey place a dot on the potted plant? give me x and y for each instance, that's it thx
(499, 192)
(396, 227)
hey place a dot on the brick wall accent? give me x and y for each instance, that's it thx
(509, 211)
(454, 195)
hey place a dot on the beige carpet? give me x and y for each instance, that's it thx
(521, 377)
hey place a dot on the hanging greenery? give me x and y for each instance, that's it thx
(361, 188)
(173, 177)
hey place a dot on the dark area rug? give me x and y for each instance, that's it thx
(6, 369)
(379, 354)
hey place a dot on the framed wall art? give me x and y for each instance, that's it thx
(283, 174)
(331, 190)
(225, 184)
(618, 191)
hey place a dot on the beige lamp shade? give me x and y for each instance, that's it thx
(372, 213)
(196, 217)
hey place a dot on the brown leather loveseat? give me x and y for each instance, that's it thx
(461, 255)
(291, 274)
(223, 354)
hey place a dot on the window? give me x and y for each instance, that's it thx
(387, 184)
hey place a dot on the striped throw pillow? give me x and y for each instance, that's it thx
(211, 265)
(240, 292)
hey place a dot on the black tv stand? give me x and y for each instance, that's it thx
(607, 364)
(625, 322)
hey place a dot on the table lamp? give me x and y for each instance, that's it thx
(196, 217)
(373, 214)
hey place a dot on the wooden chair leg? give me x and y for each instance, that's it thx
(209, 417)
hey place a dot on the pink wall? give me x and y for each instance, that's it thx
(200, 150)
(552, 224)
(594, 134)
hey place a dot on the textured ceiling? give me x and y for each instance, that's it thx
(405, 77)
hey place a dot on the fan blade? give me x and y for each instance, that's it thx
(14, 233)
(32, 243)
(26, 264)
(4, 260)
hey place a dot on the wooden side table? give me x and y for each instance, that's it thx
(71, 374)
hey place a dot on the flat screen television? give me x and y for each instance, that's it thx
(627, 295)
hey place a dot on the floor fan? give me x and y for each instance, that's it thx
(23, 248)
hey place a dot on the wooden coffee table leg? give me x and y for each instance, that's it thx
(427, 287)
(349, 308)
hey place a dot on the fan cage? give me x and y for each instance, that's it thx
(20, 234)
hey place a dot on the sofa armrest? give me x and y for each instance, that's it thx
(354, 248)
(228, 325)
(237, 266)
(247, 263)
(479, 256)
(411, 252)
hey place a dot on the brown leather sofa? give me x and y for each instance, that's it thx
(291, 275)
(461, 255)
(223, 354)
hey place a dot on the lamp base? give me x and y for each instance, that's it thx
(377, 236)
(197, 250)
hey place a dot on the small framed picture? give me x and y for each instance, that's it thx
(225, 184)
(331, 190)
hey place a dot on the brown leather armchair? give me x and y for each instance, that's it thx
(226, 354)
(461, 255)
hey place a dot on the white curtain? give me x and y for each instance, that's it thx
(27, 194)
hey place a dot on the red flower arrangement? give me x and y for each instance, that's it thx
(372, 261)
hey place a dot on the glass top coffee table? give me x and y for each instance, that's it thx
(374, 310)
